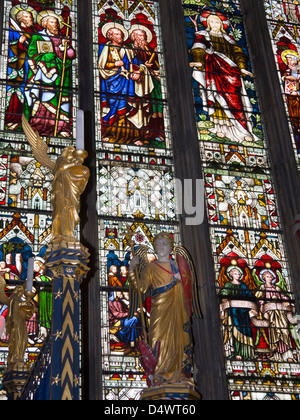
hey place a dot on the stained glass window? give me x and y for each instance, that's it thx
(38, 78)
(283, 22)
(251, 268)
(135, 174)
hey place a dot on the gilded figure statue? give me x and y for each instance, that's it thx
(20, 310)
(172, 286)
(69, 182)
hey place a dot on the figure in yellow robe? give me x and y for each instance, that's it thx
(169, 318)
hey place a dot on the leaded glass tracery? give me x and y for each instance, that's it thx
(252, 276)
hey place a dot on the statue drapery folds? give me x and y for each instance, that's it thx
(172, 286)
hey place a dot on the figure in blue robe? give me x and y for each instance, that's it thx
(125, 90)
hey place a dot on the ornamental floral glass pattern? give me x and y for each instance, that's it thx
(283, 22)
(257, 312)
(38, 77)
(135, 174)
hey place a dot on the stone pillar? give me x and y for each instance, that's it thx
(67, 264)
(209, 354)
(90, 289)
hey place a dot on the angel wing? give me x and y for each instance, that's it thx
(223, 279)
(249, 280)
(142, 252)
(281, 282)
(3, 297)
(189, 280)
(256, 278)
(38, 146)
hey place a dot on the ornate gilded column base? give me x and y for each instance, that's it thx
(170, 392)
(67, 262)
(14, 380)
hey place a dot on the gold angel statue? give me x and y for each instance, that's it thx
(70, 180)
(172, 285)
(20, 310)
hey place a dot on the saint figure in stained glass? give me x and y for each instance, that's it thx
(141, 38)
(122, 80)
(19, 310)
(219, 65)
(50, 57)
(291, 9)
(277, 307)
(129, 66)
(236, 298)
(22, 26)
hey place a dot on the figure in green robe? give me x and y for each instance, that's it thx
(47, 92)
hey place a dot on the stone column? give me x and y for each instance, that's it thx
(209, 354)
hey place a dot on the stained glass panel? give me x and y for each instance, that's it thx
(283, 21)
(136, 192)
(270, 348)
(257, 309)
(129, 73)
(24, 236)
(24, 183)
(39, 64)
(236, 199)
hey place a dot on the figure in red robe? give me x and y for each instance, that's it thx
(219, 66)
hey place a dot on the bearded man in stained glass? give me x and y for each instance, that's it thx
(141, 37)
(276, 306)
(124, 87)
(49, 80)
